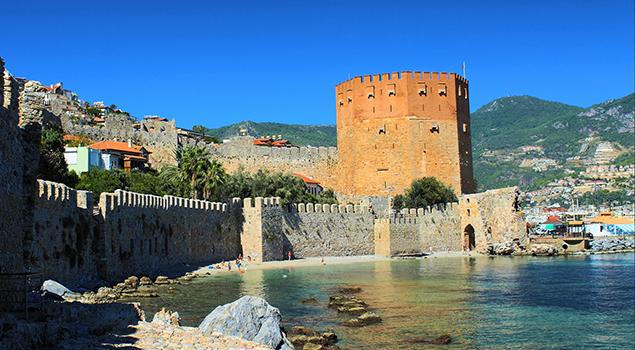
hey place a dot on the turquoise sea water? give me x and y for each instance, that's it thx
(572, 302)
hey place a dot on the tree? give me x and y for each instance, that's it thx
(195, 168)
(101, 180)
(213, 179)
(264, 183)
(199, 128)
(94, 111)
(424, 192)
(53, 166)
(113, 106)
(144, 182)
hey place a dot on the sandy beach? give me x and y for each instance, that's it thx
(316, 261)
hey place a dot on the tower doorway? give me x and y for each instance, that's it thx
(469, 240)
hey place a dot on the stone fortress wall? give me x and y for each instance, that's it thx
(57, 230)
(305, 230)
(12, 174)
(150, 232)
(320, 163)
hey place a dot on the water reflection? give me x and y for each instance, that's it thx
(515, 302)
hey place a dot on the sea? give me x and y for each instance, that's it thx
(563, 302)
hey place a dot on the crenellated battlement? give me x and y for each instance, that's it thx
(416, 216)
(57, 195)
(416, 76)
(243, 146)
(125, 200)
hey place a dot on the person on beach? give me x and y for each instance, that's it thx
(430, 249)
(229, 266)
(289, 254)
(463, 250)
(238, 263)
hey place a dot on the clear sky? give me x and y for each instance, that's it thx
(217, 63)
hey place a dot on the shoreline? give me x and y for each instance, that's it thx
(203, 271)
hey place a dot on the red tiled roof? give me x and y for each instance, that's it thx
(272, 142)
(306, 179)
(117, 146)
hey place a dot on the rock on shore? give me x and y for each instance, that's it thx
(250, 318)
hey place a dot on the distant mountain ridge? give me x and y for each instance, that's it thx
(299, 135)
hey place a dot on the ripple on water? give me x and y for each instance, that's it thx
(501, 303)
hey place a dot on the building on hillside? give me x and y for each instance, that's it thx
(122, 155)
(66, 98)
(394, 128)
(609, 225)
(83, 159)
(312, 186)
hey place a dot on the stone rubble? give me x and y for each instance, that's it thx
(616, 244)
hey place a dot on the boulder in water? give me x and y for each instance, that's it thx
(250, 318)
(59, 291)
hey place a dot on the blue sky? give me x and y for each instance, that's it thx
(217, 63)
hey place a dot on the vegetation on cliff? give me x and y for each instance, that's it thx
(424, 192)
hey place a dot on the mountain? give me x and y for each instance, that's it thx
(518, 140)
(299, 135)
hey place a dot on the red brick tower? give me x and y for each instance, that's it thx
(394, 128)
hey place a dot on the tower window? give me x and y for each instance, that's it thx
(392, 90)
(423, 90)
(443, 89)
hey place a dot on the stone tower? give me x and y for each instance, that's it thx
(396, 127)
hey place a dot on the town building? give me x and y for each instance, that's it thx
(83, 159)
(312, 186)
(122, 155)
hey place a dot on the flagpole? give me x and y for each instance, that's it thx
(463, 70)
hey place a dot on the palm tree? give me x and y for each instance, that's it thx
(192, 166)
(214, 178)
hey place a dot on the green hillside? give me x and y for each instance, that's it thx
(300, 135)
(510, 122)
(519, 140)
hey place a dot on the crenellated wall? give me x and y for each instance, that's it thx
(306, 230)
(414, 231)
(66, 243)
(146, 233)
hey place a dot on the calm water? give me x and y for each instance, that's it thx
(483, 303)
